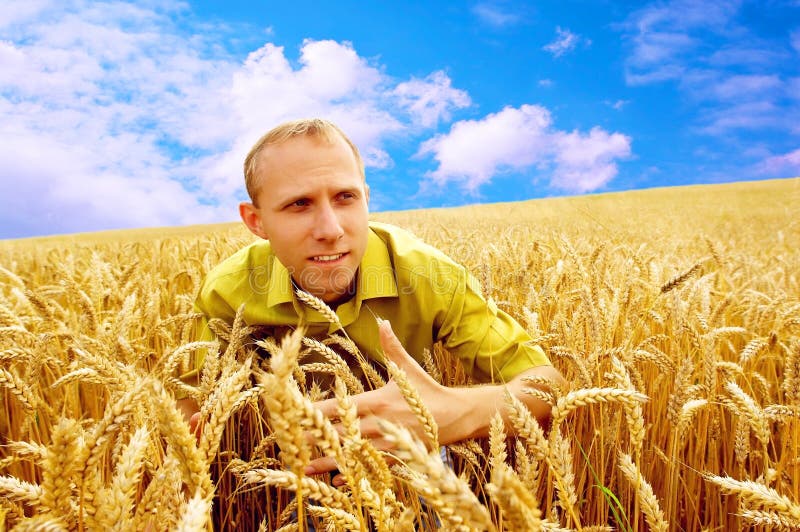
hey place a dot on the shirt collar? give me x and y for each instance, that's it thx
(376, 274)
(280, 289)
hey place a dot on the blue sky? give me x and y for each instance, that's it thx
(117, 114)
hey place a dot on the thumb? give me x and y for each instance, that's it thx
(392, 348)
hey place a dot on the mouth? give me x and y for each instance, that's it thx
(324, 259)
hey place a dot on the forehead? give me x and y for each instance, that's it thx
(304, 161)
(303, 152)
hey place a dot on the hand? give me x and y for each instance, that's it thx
(447, 405)
(191, 413)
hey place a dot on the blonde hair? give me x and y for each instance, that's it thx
(312, 127)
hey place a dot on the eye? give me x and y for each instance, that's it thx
(347, 196)
(300, 203)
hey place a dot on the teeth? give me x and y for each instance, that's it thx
(326, 258)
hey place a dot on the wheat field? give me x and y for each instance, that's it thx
(674, 315)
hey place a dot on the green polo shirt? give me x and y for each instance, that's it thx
(424, 294)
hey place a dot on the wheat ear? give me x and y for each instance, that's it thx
(340, 366)
(526, 426)
(561, 465)
(314, 489)
(18, 389)
(337, 519)
(319, 305)
(770, 519)
(747, 407)
(281, 399)
(644, 492)
(195, 514)
(193, 466)
(412, 397)
(754, 494)
(19, 490)
(42, 523)
(519, 505)
(162, 497)
(633, 410)
(222, 400)
(679, 279)
(114, 508)
(452, 498)
(61, 469)
(578, 398)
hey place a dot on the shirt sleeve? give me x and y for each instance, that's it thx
(491, 345)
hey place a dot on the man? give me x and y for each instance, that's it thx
(309, 201)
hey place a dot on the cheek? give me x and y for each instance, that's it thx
(356, 221)
(288, 243)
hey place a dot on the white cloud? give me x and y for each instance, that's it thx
(654, 75)
(431, 99)
(54, 185)
(123, 115)
(80, 99)
(519, 139)
(731, 74)
(494, 15)
(662, 36)
(748, 115)
(17, 12)
(793, 88)
(475, 150)
(748, 87)
(786, 165)
(795, 40)
(565, 41)
(657, 47)
(546, 83)
(585, 162)
(753, 55)
(617, 105)
(331, 81)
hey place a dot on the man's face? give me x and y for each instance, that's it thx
(312, 206)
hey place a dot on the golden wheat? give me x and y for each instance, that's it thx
(700, 314)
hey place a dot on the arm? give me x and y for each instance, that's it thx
(460, 413)
(481, 402)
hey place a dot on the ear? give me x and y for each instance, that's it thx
(252, 219)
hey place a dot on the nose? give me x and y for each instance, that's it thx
(327, 225)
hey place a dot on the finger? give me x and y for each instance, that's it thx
(320, 465)
(195, 426)
(194, 421)
(369, 428)
(363, 402)
(312, 440)
(393, 350)
(328, 407)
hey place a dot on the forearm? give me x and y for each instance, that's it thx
(477, 405)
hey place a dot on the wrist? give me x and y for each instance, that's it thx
(477, 405)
